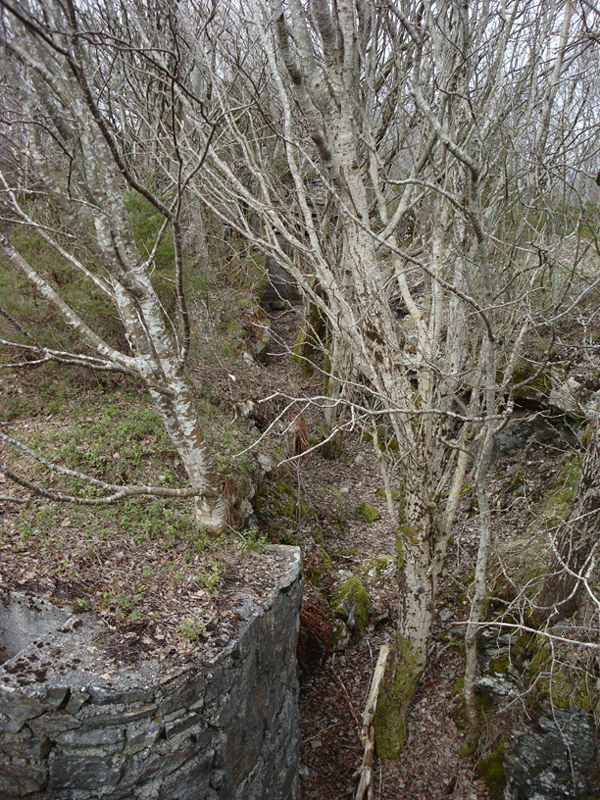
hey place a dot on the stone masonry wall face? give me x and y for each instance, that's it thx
(227, 730)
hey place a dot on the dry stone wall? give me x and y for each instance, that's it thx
(73, 727)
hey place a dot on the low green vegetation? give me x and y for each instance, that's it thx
(124, 561)
(491, 770)
(564, 675)
(368, 512)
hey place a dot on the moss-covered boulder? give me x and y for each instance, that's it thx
(281, 509)
(553, 754)
(330, 507)
(522, 561)
(368, 512)
(380, 570)
(560, 676)
(341, 636)
(351, 603)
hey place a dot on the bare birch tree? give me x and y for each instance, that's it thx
(74, 72)
(411, 159)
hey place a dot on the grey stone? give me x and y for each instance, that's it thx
(16, 708)
(53, 723)
(181, 692)
(216, 728)
(185, 723)
(190, 782)
(94, 737)
(554, 757)
(23, 779)
(25, 618)
(139, 738)
(56, 696)
(167, 762)
(85, 772)
(76, 701)
(26, 748)
(100, 695)
(120, 718)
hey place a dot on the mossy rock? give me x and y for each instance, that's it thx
(385, 439)
(559, 499)
(538, 386)
(396, 496)
(380, 570)
(368, 512)
(520, 566)
(281, 510)
(319, 567)
(287, 501)
(491, 771)
(522, 561)
(341, 636)
(309, 340)
(351, 602)
(331, 508)
(499, 665)
(556, 678)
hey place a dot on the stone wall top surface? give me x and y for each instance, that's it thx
(72, 651)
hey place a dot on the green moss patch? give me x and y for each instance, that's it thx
(561, 675)
(368, 512)
(397, 689)
(351, 602)
(380, 570)
(491, 770)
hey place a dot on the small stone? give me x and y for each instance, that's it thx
(92, 738)
(316, 744)
(16, 709)
(53, 723)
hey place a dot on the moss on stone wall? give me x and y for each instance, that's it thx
(556, 679)
(380, 570)
(491, 770)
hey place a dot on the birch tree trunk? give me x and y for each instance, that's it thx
(389, 149)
